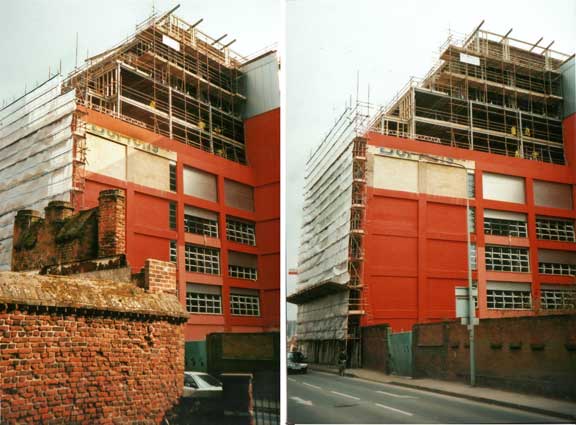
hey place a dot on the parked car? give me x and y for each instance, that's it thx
(296, 363)
(200, 385)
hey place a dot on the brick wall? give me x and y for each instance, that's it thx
(529, 354)
(63, 237)
(90, 352)
(160, 276)
(375, 347)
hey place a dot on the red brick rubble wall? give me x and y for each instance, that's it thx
(70, 368)
(530, 354)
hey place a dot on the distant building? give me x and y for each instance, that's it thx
(190, 131)
(384, 239)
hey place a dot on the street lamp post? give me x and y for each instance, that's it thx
(471, 307)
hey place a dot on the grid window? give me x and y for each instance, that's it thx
(507, 259)
(558, 298)
(472, 220)
(502, 227)
(473, 256)
(555, 229)
(173, 177)
(242, 272)
(200, 226)
(201, 259)
(557, 268)
(509, 299)
(172, 215)
(203, 299)
(470, 185)
(173, 256)
(244, 305)
(240, 231)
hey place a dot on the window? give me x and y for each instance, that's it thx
(242, 266)
(504, 223)
(172, 215)
(472, 253)
(238, 195)
(201, 259)
(508, 296)
(244, 302)
(558, 297)
(240, 231)
(507, 259)
(555, 229)
(200, 222)
(173, 257)
(470, 185)
(472, 220)
(557, 262)
(203, 299)
(173, 186)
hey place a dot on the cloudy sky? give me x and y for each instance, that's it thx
(37, 34)
(328, 42)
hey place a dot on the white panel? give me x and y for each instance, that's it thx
(201, 213)
(560, 257)
(472, 60)
(500, 187)
(443, 180)
(244, 291)
(200, 184)
(505, 215)
(204, 289)
(170, 42)
(262, 88)
(238, 195)
(105, 157)
(395, 174)
(242, 259)
(556, 195)
(507, 286)
(324, 318)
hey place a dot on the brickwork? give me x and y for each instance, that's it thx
(111, 223)
(63, 237)
(87, 352)
(375, 347)
(530, 354)
(160, 276)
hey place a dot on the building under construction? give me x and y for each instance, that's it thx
(384, 236)
(190, 130)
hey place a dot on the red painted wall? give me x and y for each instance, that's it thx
(415, 244)
(148, 234)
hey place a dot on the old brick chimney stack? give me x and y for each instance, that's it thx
(111, 223)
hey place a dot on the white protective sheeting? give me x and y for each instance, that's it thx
(326, 214)
(324, 318)
(325, 234)
(35, 155)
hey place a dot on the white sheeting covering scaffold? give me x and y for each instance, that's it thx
(36, 155)
(323, 255)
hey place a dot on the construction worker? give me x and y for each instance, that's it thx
(517, 153)
(535, 155)
(513, 130)
(527, 131)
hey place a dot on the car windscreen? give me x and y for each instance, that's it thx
(296, 357)
(209, 380)
(189, 382)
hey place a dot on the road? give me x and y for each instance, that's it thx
(322, 398)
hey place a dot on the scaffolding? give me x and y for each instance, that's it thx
(488, 92)
(172, 79)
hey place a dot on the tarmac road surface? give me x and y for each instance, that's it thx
(323, 398)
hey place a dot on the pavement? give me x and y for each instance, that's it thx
(530, 403)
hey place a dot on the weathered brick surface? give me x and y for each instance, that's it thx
(63, 237)
(58, 368)
(530, 354)
(160, 276)
(375, 347)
